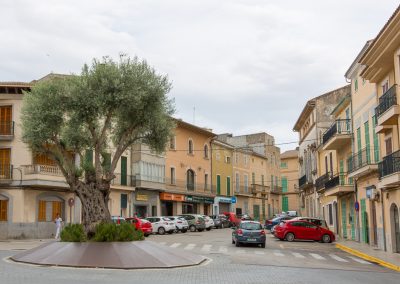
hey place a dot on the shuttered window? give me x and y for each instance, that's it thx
(5, 120)
(48, 210)
(284, 184)
(42, 211)
(5, 167)
(3, 210)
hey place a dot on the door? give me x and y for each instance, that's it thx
(344, 219)
(341, 173)
(218, 185)
(256, 212)
(367, 143)
(352, 220)
(396, 227)
(285, 203)
(228, 186)
(364, 222)
(124, 170)
(5, 167)
(6, 120)
(374, 223)
(299, 230)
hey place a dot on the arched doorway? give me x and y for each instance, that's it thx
(190, 180)
(394, 214)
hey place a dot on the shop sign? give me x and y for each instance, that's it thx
(208, 200)
(233, 199)
(225, 199)
(142, 197)
(199, 199)
(172, 197)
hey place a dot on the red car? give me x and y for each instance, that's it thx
(141, 224)
(303, 230)
(233, 219)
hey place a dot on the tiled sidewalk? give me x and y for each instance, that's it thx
(387, 259)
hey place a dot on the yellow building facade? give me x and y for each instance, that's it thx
(289, 181)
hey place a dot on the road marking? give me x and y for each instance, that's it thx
(190, 246)
(175, 245)
(317, 256)
(206, 248)
(223, 249)
(278, 253)
(240, 251)
(162, 243)
(298, 255)
(259, 252)
(338, 258)
(359, 260)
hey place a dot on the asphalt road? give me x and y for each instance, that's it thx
(279, 262)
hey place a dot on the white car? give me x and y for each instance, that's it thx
(209, 222)
(161, 224)
(180, 223)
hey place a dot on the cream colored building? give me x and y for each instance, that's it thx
(381, 66)
(32, 188)
(289, 181)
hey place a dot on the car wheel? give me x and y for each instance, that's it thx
(237, 244)
(208, 229)
(184, 230)
(161, 231)
(263, 245)
(289, 237)
(326, 238)
(192, 228)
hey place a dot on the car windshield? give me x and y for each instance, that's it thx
(276, 219)
(250, 226)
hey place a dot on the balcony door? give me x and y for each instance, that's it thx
(5, 120)
(5, 167)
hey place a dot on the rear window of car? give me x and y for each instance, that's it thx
(250, 226)
(166, 219)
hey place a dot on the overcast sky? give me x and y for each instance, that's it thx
(245, 65)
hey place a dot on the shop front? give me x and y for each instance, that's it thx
(223, 204)
(197, 205)
(170, 203)
(145, 203)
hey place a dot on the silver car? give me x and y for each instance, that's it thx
(180, 223)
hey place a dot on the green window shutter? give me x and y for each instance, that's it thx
(218, 185)
(284, 184)
(367, 144)
(364, 222)
(228, 186)
(124, 201)
(376, 140)
(285, 203)
(359, 158)
(341, 172)
(344, 220)
(124, 170)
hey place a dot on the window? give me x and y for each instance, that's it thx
(190, 180)
(326, 164)
(262, 179)
(246, 183)
(218, 184)
(284, 184)
(331, 162)
(173, 181)
(237, 182)
(246, 160)
(6, 125)
(206, 151)
(236, 158)
(228, 186)
(253, 178)
(330, 214)
(355, 85)
(218, 156)
(3, 209)
(190, 147)
(385, 86)
(49, 208)
(5, 166)
(205, 181)
(172, 143)
(388, 143)
(227, 159)
(284, 165)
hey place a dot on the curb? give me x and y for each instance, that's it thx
(368, 257)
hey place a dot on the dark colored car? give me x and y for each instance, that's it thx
(303, 230)
(248, 232)
(195, 221)
(141, 224)
(233, 219)
(220, 221)
(270, 223)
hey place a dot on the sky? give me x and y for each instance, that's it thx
(238, 66)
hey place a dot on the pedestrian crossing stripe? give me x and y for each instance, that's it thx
(298, 255)
(175, 245)
(359, 260)
(206, 247)
(190, 246)
(338, 258)
(317, 256)
(278, 253)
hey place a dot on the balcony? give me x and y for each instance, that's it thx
(338, 135)
(182, 186)
(42, 176)
(387, 110)
(276, 189)
(243, 190)
(320, 182)
(148, 182)
(389, 170)
(339, 185)
(6, 130)
(6, 172)
(121, 181)
(304, 182)
(363, 163)
(259, 188)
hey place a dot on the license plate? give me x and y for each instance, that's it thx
(251, 240)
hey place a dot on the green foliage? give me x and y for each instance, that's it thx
(73, 233)
(110, 232)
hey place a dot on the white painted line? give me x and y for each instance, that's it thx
(259, 252)
(298, 255)
(278, 253)
(223, 249)
(175, 245)
(240, 251)
(338, 258)
(359, 260)
(162, 243)
(190, 246)
(206, 248)
(317, 256)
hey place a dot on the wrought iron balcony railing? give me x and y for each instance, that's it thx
(387, 100)
(364, 157)
(389, 164)
(320, 182)
(340, 126)
(304, 181)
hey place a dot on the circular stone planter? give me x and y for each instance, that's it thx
(118, 255)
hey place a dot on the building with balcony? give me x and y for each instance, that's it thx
(381, 66)
(188, 183)
(314, 121)
(289, 181)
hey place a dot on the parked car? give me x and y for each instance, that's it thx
(303, 230)
(292, 213)
(141, 224)
(245, 217)
(161, 225)
(248, 232)
(234, 221)
(209, 222)
(181, 225)
(270, 223)
(118, 220)
(196, 222)
(316, 221)
(220, 221)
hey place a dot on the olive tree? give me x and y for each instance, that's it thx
(105, 109)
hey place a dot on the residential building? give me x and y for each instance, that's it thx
(381, 66)
(188, 187)
(289, 180)
(313, 121)
(222, 176)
